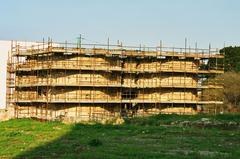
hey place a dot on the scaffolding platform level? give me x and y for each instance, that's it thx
(75, 81)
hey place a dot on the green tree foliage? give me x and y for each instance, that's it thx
(232, 89)
(232, 58)
(231, 61)
(231, 75)
(230, 94)
(231, 79)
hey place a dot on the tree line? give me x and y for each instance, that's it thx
(230, 80)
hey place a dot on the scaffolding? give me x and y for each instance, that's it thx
(82, 82)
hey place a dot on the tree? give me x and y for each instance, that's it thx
(231, 78)
(232, 58)
(230, 94)
(232, 89)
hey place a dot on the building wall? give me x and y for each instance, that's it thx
(76, 84)
(70, 112)
(5, 46)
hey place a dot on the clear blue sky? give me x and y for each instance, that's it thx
(133, 22)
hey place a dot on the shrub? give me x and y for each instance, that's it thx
(95, 142)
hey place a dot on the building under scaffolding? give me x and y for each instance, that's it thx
(82, 82)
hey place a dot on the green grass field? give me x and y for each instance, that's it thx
(161, 136)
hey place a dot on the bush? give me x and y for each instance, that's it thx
(95, 142)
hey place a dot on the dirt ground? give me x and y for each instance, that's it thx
(3, 115)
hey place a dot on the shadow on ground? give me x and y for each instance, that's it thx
(143, 138)
(81, 138)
